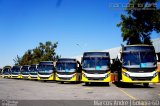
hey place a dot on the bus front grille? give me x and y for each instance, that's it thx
(141, 78)
(44, 77)
(64, 78)
(95, 78)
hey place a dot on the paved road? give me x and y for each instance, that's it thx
(12, 89)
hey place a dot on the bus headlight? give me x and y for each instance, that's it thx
(84, 75)
(73, 75)
(51, 75)
(155, 74)
(107, 75)
(126, 74)
(56, 75)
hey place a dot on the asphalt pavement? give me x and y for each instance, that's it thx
(23, 90)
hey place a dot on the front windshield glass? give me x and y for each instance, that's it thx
(139, 59)
(97, 63)
(46, 68)
(66, 67)
(33, 69)
(25, 70)
(6, 70)
(15, 69)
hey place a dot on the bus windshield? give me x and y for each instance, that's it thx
(139, 59)
(66, 67)
(95, 63)
(47, 68)
(33, 69)
(15, 69)
(25, 70)
(6, 70)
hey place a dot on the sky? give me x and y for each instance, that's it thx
(77, 26)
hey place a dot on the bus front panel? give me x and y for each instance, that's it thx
(42, 76)
(96, 77)
(140, 76)
(96, 69)
(45, 72)
(6, 73)
(139, 66)
(67, 71)
(33, 75)
(15, 72)
(25, 72)
(67, 78)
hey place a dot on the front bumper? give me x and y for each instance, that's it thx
(96, 77)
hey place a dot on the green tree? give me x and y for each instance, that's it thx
(43, 52)
(27, 58)
(17, 60)
(141, 19)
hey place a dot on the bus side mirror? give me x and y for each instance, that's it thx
(157, 57)
(81, 59)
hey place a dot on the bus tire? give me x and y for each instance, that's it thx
(62, 82)
(86, 83)
(107, 83)
(146, 84)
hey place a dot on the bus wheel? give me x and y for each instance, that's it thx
(62, 82)
(86, 83)
(146, 84)
(107, 83)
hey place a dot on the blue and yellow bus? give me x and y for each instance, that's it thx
(68, 70)
(25, 72)
(138, 65)
(96, 67)
(46, 71)
(33, 73)
(16, 72)
(6, 72)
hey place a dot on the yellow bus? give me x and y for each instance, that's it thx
(33, 73)
(25, 72)
(138, 64)
(96, 67)
(46, 71)
(6, 72)
(16, 72)
(68, 70)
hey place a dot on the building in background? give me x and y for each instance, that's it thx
(114, 51)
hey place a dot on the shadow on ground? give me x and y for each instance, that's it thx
(96, 84)
(60, 82)
(131, 85)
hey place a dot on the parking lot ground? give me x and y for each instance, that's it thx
(14, 89)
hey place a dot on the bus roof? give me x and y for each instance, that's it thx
(138, 48)
(67, 60)
(139, 45)
(46, 63)
(96, 54)
(16, 67)
(6, 67)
